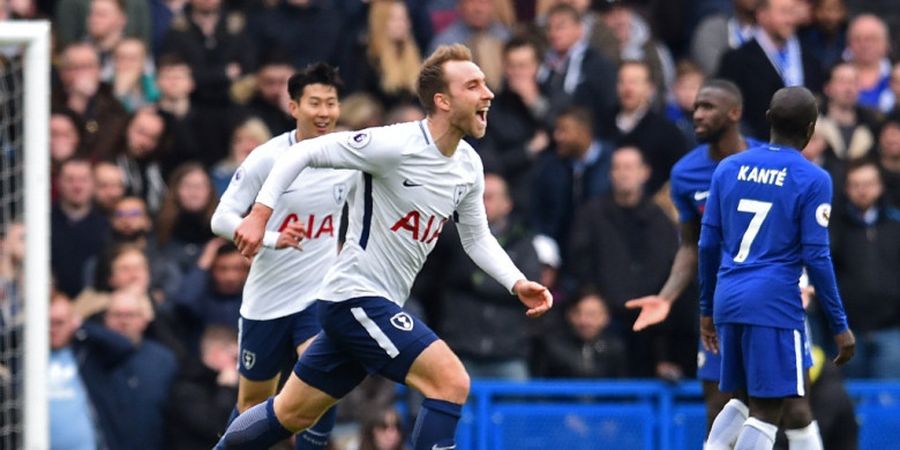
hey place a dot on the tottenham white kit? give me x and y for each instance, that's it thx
(409, 190)
(283, 282)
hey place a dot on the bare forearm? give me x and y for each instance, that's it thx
(684, 272)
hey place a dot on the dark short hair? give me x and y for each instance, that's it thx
(792, 111)
(580, 115)
(725, 86)
(859, 163)
(226, 249)
(170, 60)
(318, 73)
(520, 41)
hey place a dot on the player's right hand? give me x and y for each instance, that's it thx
(846, 344)
(291, 236)
(654, 309)
(249, 234)
(708, 334)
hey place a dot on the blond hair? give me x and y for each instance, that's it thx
(255, 127)
(431, 78)
(395, 62)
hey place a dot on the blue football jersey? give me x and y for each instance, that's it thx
(766, 206)
(690, 179)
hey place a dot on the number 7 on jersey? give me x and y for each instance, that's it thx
(760, 210)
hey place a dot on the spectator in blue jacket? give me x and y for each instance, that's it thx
(211, 292)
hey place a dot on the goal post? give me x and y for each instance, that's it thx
(34, 39)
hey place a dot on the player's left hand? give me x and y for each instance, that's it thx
(535, 296)
(654, 309)
(291, 237)
(846, 345)
(708, 334)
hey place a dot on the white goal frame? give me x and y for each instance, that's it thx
(35, 37)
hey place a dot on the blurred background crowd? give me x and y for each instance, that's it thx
(157, 102)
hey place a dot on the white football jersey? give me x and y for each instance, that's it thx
(408, 191)
(283, 282)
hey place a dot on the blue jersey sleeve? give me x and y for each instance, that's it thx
(815, 214)
(710, 248)
(679, 194)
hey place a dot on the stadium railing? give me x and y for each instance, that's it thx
(622, 415)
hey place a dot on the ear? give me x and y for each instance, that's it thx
(442, 101)
(769, 116)
(294, 107)
(735, 113)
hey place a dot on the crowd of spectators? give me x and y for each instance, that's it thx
(155, 103)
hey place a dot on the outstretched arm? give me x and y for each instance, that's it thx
(357, 150)
(655, 308)
(486, 252)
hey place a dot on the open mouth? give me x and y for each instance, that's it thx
(481, 114)
(321, 125)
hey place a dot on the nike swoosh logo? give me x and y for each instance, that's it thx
(700, 195)
(407, 183)
(435, 447)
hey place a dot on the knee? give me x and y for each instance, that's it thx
(452, 386)
(295, 419)
(247, 400)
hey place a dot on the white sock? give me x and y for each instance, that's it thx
(756, 435)
(806, 438)
(727, 426)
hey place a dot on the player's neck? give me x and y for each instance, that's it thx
(446, 137)
(783, 141)
(730, 143)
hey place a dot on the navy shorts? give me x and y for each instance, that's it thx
(267, 346)
(767, 362)
(362, 336)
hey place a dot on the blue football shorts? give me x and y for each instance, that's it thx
(362, 336)
(267, 346)
(767, 362)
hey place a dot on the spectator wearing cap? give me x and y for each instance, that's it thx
(480, 324)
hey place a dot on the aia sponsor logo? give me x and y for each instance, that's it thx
(315, 227)
(418, 228)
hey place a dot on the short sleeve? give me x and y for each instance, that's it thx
(712, 213)
(682, 200)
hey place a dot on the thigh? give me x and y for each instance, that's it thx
(329, 367)
(264, 347)
(773, 359)
(438, 373)
(377, 333)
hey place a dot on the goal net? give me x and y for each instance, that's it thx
(24, 233)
